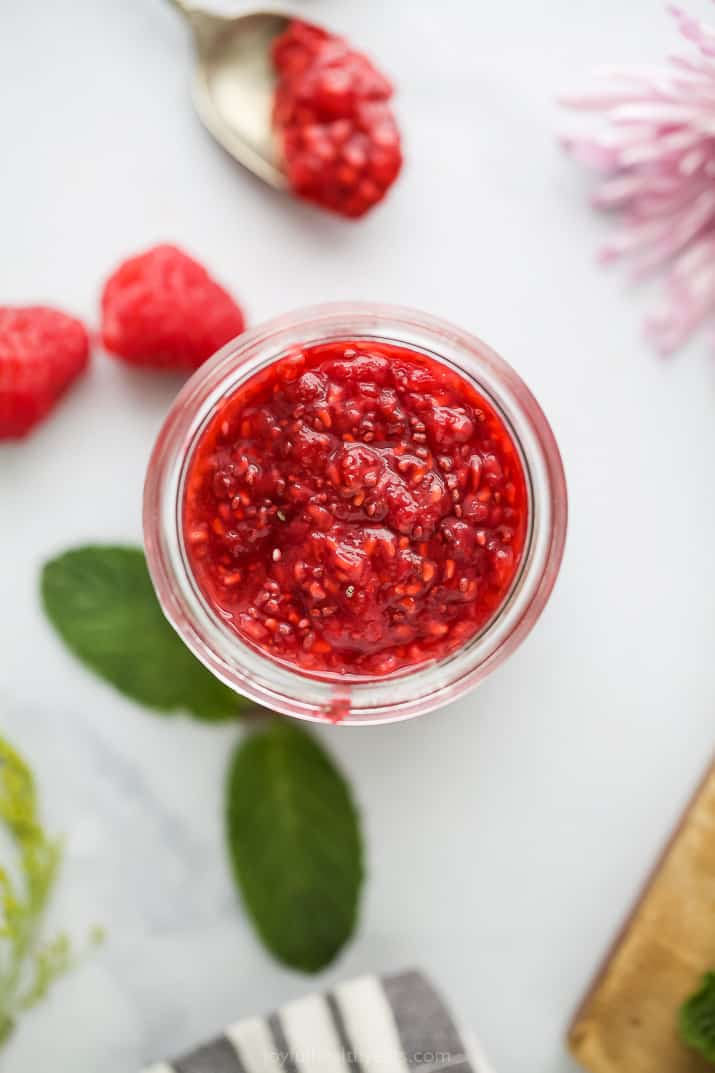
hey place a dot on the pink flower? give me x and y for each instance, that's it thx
(657, 156)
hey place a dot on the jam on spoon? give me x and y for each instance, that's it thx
(296, 105)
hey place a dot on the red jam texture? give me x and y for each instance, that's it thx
(339, 140)
(355, 508)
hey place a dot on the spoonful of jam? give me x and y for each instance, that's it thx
(297, 106)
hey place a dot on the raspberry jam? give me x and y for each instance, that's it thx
(355, 508)
(339, 140)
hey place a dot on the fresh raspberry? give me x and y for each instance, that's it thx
(41, 352)
(341, 145)
(162, 310)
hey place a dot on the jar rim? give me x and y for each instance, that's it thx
(353, 699)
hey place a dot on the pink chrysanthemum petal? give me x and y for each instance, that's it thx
(693, 30)
(657, 156)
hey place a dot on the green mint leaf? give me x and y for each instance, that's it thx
(697, 1019)
(295, 845)
(101, 601)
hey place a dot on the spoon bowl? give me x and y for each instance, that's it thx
(234, 84)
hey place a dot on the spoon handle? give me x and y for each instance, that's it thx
(182, 6)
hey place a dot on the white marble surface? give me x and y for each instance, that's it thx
(507, 834)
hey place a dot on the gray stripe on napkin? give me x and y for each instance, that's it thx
(217, 1057)
(429, 1037)
(287, 1060)
(348, 1048)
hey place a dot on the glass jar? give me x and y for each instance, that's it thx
(353, 700)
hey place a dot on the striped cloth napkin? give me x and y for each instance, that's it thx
(393, 1024)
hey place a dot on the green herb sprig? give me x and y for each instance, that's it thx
(697, 1019)
(28, 965)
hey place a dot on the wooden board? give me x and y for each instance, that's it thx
(628, 1021)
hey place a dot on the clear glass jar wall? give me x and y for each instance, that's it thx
(353, 700)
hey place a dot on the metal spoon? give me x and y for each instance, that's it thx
(234, 84)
